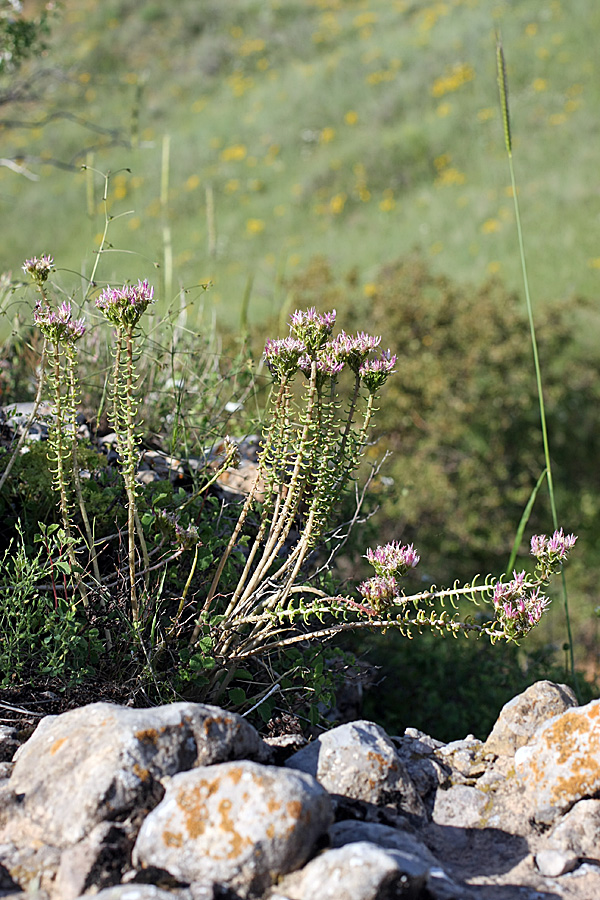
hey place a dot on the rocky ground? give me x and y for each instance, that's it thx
(188, 801)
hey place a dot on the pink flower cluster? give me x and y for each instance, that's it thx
(282, 357)
(552, 552)
(518, 606)
(379, 592)
(354, 349)
(393, 558)
(58, 325)
(39, 269)
(390, 562)
(308, 346)
(311, 327)
(124, 306)
(374, 372)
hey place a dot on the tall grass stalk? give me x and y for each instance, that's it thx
(505, 109)
(166, 228)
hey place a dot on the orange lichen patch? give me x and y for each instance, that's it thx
(270, 832)
(237, 841)
(294, 808)
(57, 745)
(273, 805)
(566, 733)
(235, 775)
(150, 736)
(173, 839)
(142, 774)
(567, 764)
(378, 757)
(192, 802)
(147, 736)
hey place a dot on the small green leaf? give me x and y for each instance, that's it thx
(244, 675)
(237, 695)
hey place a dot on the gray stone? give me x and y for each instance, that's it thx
(421, 742)
(562, 764)
(461, 806)
(579, 831)
(241, 824)
(520, 718)
(101, 760)
(417, 752)
(351, 832)
(31, 868)
(553, 863)
(360, 761)
(89, 783)
(464, 759)
(137, 892)
(96, 861)
(359, 871)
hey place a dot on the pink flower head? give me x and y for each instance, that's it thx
(326, 362)
(380, 591)
(551, 552)
(518, 607)
(282, 357)
(374, 372)
(39, 269)
(58, 325)
(393, 559)
(124, 306)
(354, 349)
(311, 327)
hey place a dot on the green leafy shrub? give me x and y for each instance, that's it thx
(44, 632)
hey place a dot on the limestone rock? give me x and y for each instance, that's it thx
(241, 824)
(137, 892)
(579, 831)
(562, 764)
(464, 759)
(554, 863)
(417, 752)
(31, 868)
(351, 832)
(461, 806)
(98, 860)
(360, 761)
(99, 761)
(358, 871)
(522, 716)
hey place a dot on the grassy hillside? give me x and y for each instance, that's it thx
(262, 132)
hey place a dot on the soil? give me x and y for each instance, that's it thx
(23, 706)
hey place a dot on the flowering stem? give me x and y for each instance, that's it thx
(129, 464)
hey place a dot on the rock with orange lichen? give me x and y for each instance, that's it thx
(561, 765)
(520, 718)
(102, 760)
(240, 824)
(360, 761)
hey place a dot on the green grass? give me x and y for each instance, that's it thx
(357, 137)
